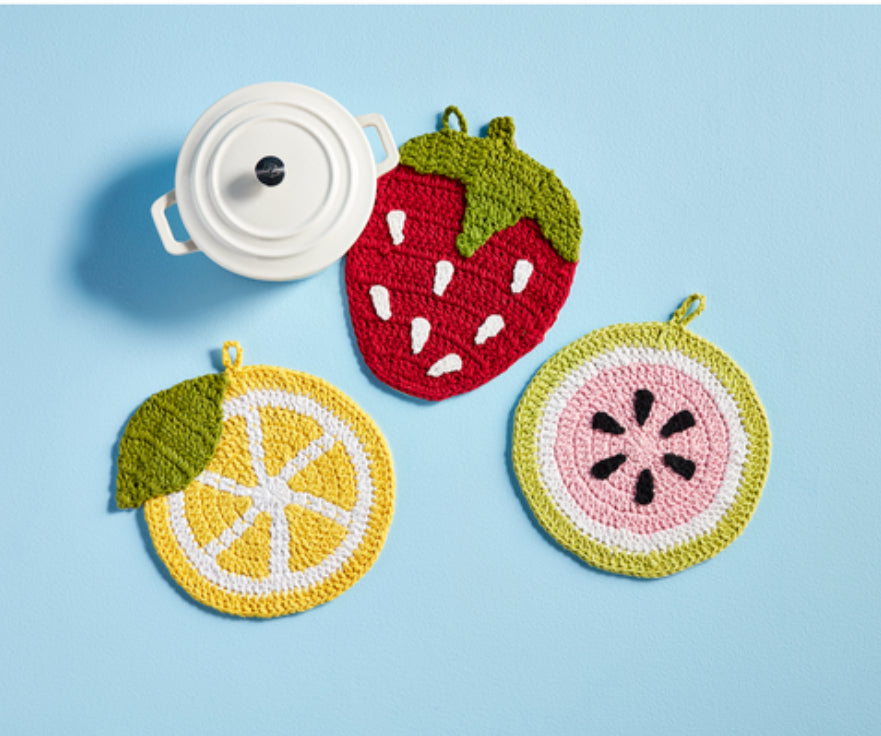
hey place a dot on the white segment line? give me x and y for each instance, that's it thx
(395, 220)
(448, 364)
(232, 534)
(327, 509)
(443, 272)
(279, 544)
(255, 442)
(220, 483)
(420, 329)
(491, 327)
(522, 272)
(308, 454)
(379, 297)
(268, 493)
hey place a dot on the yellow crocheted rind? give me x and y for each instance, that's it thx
(232, 457)
(662, 335)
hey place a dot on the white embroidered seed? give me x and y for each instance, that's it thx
(491, 327)
(420, 329)
(522, 272)
(395, 220)
(443, 272)
(379, 297)
(448, 364)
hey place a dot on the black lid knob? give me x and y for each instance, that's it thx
(270, 170)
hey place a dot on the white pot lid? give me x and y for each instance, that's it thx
(276, 181)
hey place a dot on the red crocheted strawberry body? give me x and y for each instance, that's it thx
(431, 322)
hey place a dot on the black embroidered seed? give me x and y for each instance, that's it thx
(645, 488)
(679, 465)
(604, 468)
(642, 405)
(677, 423)
(643, 401)
(605, 423)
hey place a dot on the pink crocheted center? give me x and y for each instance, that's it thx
(670, 471)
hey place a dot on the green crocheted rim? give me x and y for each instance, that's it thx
(502, 185)
(170, 439)
(663, 335)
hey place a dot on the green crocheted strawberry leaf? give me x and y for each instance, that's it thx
(169, 440)
(502, 185)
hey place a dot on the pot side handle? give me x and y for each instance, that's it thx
(175, 247)
(377, 121)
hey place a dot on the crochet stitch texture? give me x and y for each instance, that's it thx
(465, 263)
(642, 448)
(291, 509)
(502, 184)
(169, 440)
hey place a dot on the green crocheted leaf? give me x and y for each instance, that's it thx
(502, 185)
(169, 440)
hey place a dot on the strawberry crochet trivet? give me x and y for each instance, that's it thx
(642, 448)
(464, 264)
(266, 491)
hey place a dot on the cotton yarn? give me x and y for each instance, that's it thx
(293, 506)
(465, 263)
(642, 448)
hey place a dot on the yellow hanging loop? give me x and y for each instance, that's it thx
(232, 363)
(688, 310)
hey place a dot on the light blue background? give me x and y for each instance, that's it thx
(732, 151)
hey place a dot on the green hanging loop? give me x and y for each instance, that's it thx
(502, 184)
(453, 110)
(688, 310)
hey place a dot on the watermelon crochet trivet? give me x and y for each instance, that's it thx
(642, 448)
(464, 264)
(266, 491)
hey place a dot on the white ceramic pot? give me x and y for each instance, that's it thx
(275, 181)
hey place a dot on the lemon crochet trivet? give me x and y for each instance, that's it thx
(642, 448)
(266, 491)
